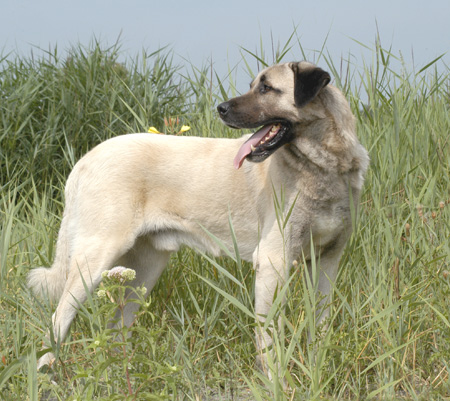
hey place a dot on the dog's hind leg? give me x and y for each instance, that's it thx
(86, 266)
(148, 263)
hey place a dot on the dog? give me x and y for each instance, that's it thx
(135, 199)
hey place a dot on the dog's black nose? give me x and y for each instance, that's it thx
(223, 108)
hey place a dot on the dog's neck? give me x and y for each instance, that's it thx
(327, 151)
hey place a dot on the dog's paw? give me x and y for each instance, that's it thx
(46, 360)
(272, 370)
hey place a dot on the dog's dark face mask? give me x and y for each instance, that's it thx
(274, 100)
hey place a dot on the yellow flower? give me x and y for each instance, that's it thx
(184, 128)
(153, 130)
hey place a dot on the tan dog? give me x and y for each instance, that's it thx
(134, 199)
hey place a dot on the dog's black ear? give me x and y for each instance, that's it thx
(307, 83)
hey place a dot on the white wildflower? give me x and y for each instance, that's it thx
(129, 274)
(121, 273)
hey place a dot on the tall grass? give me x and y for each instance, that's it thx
(55, 109)
(390, 321)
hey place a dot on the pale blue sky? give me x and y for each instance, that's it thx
(202, 29)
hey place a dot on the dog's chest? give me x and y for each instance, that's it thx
(326, 227)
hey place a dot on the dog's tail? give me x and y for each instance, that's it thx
(47, 282)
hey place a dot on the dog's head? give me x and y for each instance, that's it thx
(277, 100)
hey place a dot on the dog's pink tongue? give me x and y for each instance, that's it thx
(246, 148)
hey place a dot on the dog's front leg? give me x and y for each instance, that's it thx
(271, 273)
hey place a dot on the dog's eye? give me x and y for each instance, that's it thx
(265, 88)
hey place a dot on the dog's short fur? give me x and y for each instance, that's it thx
(134, 199)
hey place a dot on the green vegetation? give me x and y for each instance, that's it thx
(193, 340)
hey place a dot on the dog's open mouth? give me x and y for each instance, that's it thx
(261, 144)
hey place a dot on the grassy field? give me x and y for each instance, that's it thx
(390, 325)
